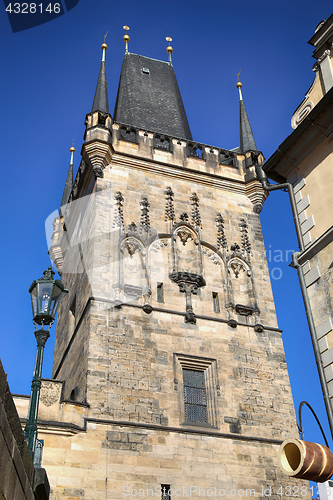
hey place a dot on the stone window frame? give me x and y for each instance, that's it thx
(212, 386)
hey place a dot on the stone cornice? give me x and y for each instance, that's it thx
(65, 428)
(186, 174)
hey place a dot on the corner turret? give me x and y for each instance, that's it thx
(247, 142)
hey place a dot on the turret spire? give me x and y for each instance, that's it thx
(69, 180)
(101, 100)
(247, 141)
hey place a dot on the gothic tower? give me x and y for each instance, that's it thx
(169, 369)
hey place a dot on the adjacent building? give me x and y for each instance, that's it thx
(305, 159)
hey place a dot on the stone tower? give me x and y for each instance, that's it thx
(169, 370)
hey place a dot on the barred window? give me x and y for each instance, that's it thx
(196, 381)
(194, 396)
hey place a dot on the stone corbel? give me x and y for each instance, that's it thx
(256, 194)
(98, 154)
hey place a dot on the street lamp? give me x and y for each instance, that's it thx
(45, 297)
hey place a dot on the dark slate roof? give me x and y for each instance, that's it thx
(101, 100)
(68, 186)
(247, 141)
(149, 97)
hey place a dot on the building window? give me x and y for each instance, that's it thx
(196, 381)
(216, 303)
(160, 297)
(195, 402)
(165, 492)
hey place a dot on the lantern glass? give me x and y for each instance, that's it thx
(45, 297)
(56, 296)
(34, 300)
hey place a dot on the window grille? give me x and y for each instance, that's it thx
(194, 396)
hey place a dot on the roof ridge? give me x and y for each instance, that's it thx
(146, 57)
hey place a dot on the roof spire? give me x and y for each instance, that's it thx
(101, 100)
(69, 180)
(169, 49)
(126, 38)
(247, 141)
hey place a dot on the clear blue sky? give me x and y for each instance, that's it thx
(48, 79)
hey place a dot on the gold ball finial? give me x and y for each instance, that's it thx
(72, 149)
(169, 49)
(126, 38)
(239, 85)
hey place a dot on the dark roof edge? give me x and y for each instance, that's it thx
(296, 134)
(146, 57)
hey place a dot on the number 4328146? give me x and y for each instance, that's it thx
(32, 8)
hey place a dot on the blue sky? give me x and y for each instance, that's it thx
(49, 75)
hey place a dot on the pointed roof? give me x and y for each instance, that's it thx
(149, 97)
(247, 141)
(101, 100)
(69, 181)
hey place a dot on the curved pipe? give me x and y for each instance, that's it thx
(300, 426)
(262, 177)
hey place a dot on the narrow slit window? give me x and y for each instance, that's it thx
(216, 303)
(195, 401)
(160, 297)
(165, 492)
(71, 317)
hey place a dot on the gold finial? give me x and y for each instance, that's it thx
(72, 149)
(126, 38)
(104, 47)
(169, 49)
(239, 86)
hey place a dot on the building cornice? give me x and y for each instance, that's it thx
(315, 247)
(309, 134)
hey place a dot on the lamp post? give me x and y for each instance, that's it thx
(45, 297)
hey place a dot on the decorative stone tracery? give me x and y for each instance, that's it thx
(221, 239)
(144, 217)
(195, 215)
(118, 220)
(245, 242)
(169, 208)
